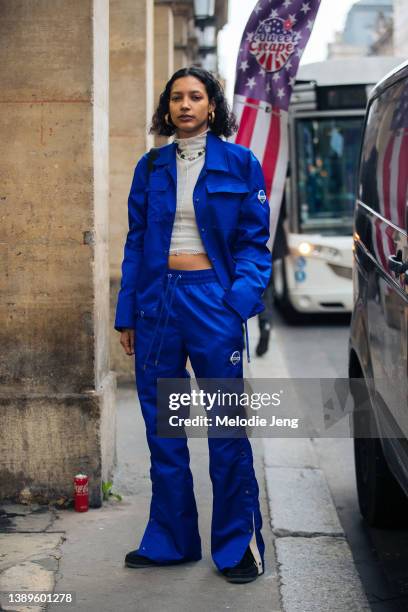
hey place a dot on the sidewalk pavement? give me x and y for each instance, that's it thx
(64, 551)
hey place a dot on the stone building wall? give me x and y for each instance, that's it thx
(57, 391)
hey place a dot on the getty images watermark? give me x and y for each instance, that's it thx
(214, 407)
(220, 403)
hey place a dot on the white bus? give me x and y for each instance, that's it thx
(325, 126)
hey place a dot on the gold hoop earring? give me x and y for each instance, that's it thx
(211, 117)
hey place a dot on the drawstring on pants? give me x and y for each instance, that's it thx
(167, 319)
(169, 276)
(247, 341)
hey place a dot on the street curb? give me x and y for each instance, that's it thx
(316, 569)
(315, 564)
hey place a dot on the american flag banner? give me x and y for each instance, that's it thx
(271, 47)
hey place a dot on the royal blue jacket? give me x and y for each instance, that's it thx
(232, 215)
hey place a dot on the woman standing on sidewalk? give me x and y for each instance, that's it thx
(194, 269)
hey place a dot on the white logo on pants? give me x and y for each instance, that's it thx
(235, 358)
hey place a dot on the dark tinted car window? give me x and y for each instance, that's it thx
(384, 165)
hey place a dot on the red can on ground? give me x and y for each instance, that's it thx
(81, 496)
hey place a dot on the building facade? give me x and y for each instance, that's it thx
(77, 105)
(401, 28)
(364, 21)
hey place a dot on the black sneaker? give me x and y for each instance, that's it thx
(245, 571)
(263, 343)
(133, 559)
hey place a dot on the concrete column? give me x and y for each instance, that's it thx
(131, 110)
(57, 393)
(163, 54)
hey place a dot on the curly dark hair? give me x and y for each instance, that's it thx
(225, 123)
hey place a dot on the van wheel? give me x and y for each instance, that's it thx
(281, 294)
(381, 500)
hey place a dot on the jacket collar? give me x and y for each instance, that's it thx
(215, 156)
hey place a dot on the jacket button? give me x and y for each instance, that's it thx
(142, 313)
(203, 229)
(197, 199)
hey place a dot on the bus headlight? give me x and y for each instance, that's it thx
(305, 248)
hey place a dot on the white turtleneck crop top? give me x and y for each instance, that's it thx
(190, 155)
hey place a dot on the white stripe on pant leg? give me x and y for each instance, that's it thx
(254, 549)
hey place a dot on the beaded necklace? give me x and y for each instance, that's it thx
(190, 156)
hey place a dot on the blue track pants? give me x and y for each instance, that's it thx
(193, 322)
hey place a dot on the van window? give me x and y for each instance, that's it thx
(383, 180)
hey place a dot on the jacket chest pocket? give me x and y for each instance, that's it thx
(157, 198)
(224, 202)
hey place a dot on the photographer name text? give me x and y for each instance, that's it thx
(236, 421)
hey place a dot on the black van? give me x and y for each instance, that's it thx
(379, 325)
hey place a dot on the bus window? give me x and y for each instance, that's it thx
(327, 157)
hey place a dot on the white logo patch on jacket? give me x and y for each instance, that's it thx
(261, 196)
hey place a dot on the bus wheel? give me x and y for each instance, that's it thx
(281, 294)
(381, 499)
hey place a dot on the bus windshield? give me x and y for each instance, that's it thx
(327, 153)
